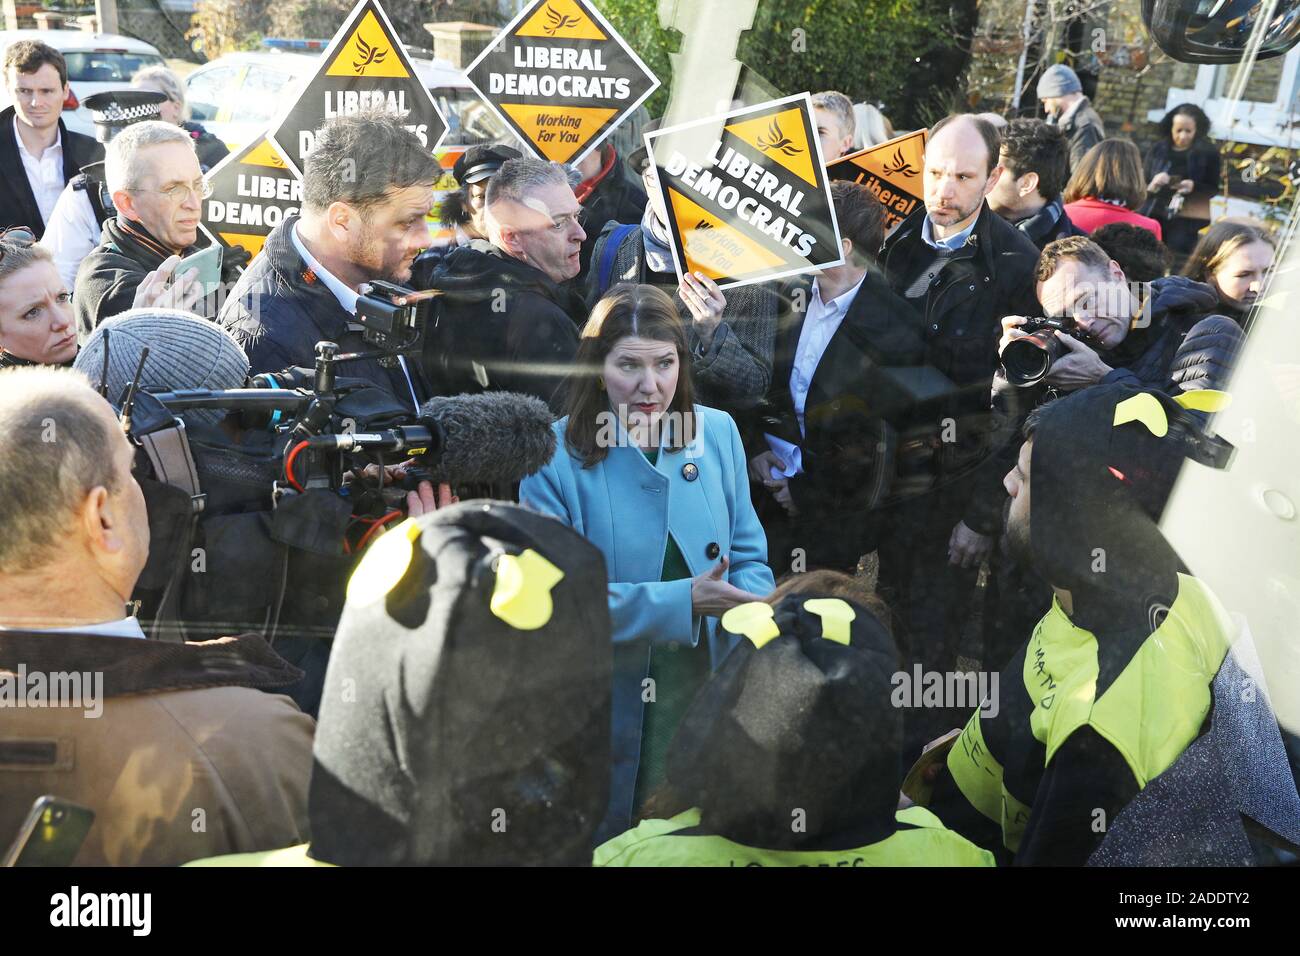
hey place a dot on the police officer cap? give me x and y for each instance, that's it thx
(115, 110)
(482, 162)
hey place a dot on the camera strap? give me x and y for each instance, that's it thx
(173, 464)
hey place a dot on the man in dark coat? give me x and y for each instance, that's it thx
(1035, 159)
(823, 444)
(508, 319)
(367, 190)
(33, 140)
(158, 189)
(962, 267)
(1061, 94)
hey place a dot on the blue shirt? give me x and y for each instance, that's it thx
(952, 243)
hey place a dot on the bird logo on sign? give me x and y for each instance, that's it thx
(778, 140)
(557, 21)
(370, 56)
(899, 166)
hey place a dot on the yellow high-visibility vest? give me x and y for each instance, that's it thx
(1149, 714)
(921, 840)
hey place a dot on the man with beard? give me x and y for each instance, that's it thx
(962, 267)
(1114, 682)
(367, 191)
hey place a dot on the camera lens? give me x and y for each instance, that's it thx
(1027, 360)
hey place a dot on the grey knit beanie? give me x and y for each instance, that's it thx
(185, 351)
(1058, 80)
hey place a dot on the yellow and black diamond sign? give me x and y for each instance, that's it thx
(746, 194)
(365, 67)
(892, 171)
(561, 78)
(253, 191)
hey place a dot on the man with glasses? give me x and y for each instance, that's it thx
(158, 190)
(37, 152)
(509, 316)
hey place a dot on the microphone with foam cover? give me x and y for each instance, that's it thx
(489, 438)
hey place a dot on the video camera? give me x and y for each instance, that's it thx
(393, 318)
(1027, 360)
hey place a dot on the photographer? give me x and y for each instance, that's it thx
(1158, 335)
(193, 718)
(367, 191)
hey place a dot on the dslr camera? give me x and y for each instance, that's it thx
(1026, 361)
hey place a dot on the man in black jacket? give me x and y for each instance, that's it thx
(1035, 160)
(158, 190)
(508, 319)
(367, 190)
(962, 267)
(822, 449)
(37, 152)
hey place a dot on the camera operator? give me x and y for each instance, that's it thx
(367, 189)
(74, 538)
(1114, 682)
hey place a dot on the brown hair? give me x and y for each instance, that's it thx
(28, 56)
(625, 310)
(1111, 170)
(1077, 248)
(1221, 240)
(824, 582)
(861, 218)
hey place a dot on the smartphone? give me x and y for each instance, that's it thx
(208, 263)
(915, 786)
(51, 835)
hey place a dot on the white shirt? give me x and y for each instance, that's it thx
(45, 174)
(820, 324)
(71, 232)
(346, 296)
(126, 627)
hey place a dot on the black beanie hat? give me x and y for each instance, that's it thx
(794, 740)
(466, 715)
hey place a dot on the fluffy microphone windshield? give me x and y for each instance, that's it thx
(490, 438)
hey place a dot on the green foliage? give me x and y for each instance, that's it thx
(902, 53)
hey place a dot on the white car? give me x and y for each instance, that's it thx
(97, 62)
(237, 95)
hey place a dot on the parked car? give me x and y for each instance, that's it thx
(97, 62)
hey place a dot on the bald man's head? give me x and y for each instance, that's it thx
(61, 441)
(961, 168)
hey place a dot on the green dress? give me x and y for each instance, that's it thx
(678, 671)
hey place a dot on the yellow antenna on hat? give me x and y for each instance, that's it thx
(754, 620)
(522, 596)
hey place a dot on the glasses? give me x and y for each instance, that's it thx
(18, 236)
(179, 192)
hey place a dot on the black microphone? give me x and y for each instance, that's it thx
(490, 438)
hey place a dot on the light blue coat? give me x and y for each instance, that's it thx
(626, 507)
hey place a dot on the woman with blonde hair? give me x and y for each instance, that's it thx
(659, 484)
(1234, 257)
(1108, 187)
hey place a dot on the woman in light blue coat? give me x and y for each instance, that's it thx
(659, 484)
